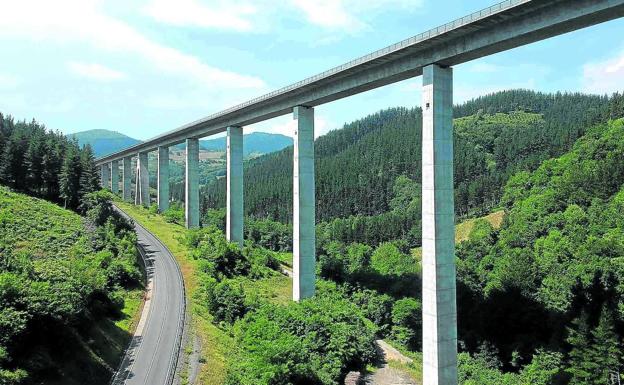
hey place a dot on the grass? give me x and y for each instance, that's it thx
(276, 289)
(463, 230)
(215, 343)
(131, 312)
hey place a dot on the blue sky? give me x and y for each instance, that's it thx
(144, 67)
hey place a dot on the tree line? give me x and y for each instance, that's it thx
(44, 163)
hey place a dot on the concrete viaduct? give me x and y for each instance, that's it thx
(432, 54)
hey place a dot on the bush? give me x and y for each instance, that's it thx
(226, 300)
(313, 342)
(174, 215)
(376, 307)
(407, 322)
(389, 259)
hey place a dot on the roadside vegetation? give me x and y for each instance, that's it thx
(70, 285)
(65, 281)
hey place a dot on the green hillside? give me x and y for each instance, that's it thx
(68, 292)
(357, 166)
(104, 142)
(256, 143)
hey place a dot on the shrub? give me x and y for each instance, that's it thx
(313, 342)
(226, 300)
(407, 322)
(174, 215)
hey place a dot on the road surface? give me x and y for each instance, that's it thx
(152, 356)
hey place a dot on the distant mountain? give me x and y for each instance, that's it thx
(256, 143)
(104, 142)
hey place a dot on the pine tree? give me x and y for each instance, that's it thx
(606, 349)
(580, 367)
(89, 181)
(69, 180)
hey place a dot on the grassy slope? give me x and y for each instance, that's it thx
(463, 229)
(43, 230)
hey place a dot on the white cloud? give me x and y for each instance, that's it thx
(346, 14)
(605, 76)
(95, 71)
(83, 21)
(222, 15)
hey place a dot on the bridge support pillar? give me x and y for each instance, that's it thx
(142, 194)
(105, 175)
(438, 230)
(234, 201)
(304, 201)
(192, 183)
(115, 176)
(127, 178)
(163, 178)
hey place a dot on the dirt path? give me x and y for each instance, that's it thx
(386, 375)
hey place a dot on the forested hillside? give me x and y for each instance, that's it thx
(69, 283)
(551, 279)
(357, 166)
(44, 163)
(63, 281)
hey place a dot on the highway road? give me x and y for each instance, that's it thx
(152, 356)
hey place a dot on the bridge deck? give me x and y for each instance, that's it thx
(500, 27)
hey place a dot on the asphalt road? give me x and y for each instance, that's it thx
(152, 356)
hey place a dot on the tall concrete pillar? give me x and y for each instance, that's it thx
(192, 183)
(438, 230)
(234, 201)
(115, 176)
(163, 178)
(304, 232)
(105, 175)
(127, 178)
(142, 196)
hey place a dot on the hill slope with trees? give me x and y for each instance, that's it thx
(357, 166)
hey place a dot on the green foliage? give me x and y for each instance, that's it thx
(357, 167)
(174, 214)
(407, 322)
(389, 259)
(45, 163)
(55, 273)
(226, 300)
(312, 342)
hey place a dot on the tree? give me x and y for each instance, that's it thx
(70, 178)
(89, 180)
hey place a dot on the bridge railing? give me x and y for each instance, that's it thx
(379, 53)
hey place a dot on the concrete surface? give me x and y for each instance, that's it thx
(191, 197)
(304, 202)
(142, 193)
(115, 176)
(234, 179)
(126, 175)
(105, 175)
(163, 178)
(438, 230)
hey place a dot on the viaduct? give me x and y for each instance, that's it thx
(431, 54)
